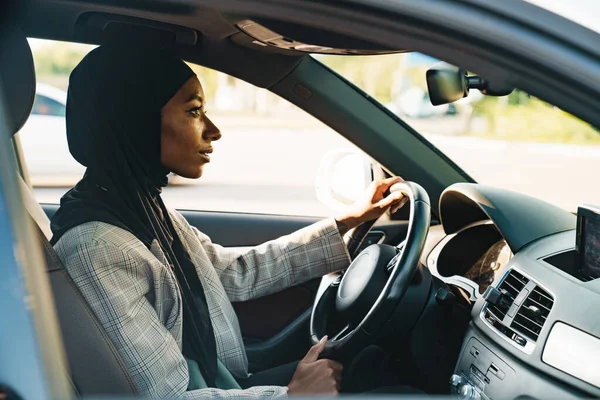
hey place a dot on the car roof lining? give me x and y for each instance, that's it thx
(56, 19)
(203, 35)
(66, 20)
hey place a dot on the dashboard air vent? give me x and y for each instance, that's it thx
(510, 288)
(531, 316)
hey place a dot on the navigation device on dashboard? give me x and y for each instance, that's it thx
(588, 242)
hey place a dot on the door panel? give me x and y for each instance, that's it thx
(243, 229)
(235, 229)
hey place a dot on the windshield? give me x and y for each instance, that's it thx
(516, 142)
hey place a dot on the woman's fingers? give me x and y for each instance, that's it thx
(399, 204)
(315, 351)
(390, 199)
(384, 184)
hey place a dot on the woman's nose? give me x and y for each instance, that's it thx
(211, 132)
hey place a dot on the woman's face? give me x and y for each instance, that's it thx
(186, 132)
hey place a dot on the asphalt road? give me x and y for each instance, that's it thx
(274, 171)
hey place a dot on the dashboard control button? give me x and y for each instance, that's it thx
(496, 371)
(519, 339)
(477, 376)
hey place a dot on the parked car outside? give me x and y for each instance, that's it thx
(44, 140)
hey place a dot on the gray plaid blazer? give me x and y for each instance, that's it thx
(134, 294)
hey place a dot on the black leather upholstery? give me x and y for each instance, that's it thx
(96, 368)
(17, 75)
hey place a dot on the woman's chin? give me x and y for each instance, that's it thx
(194, 174)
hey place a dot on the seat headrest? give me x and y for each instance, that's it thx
(17, 75)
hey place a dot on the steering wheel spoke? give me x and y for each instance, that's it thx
(343, 332)
(393, 263)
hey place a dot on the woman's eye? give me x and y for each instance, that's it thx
(196, 111)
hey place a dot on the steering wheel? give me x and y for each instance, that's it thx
(363, 298)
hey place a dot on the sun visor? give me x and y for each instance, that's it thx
(302, 39)
(96, 27)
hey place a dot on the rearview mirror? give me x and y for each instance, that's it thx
(447, 84)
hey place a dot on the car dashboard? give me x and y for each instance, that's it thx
(535, 329)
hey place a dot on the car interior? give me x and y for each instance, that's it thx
(472, 298)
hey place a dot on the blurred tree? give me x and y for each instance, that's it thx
(58, 58)
(519, 97)
(209, 78)
(376, 75)
(522, 117)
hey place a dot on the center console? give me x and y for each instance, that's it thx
(484, 372)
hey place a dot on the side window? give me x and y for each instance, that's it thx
(266, 161)
(46, 106)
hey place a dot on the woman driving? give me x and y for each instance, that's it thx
(160, 288)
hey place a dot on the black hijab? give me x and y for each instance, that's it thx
(114, 104)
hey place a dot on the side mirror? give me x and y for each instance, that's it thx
(343, 176)
(447, 84)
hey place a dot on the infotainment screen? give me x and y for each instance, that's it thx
(588, 242)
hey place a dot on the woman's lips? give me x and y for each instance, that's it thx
(206, 154)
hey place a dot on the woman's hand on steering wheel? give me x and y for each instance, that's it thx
(372, 205)
(316, 377)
